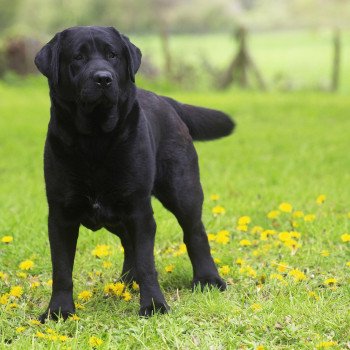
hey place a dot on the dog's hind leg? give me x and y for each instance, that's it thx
(180, 191)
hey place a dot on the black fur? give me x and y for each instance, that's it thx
(109, 148)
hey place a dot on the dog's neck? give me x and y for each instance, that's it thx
(70, 121)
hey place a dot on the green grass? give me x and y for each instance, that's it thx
(287, 148)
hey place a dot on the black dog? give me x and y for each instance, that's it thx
(109, 148)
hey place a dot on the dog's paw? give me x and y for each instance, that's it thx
(209, 282)
(55, 315)
(151, 309)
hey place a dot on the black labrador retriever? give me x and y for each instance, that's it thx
(110, 146)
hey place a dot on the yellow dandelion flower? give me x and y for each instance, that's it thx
(297, 275)
(345, 237)
(264, 236)
(276, 276)
(309, 217)
(214, 197)
(240, 262)
(245, 242)
(211, 237)
(326, 344)
(101, 250)
(126, 296)
(325, 253)
(7, 239)
(295, 234)
(248, 270)
(49, 283)
(106, 264)
(256, 307)
(348, 264)
(118, 288)
(135, 286)
(74, 317)
(224, 270)
(313, 295)
(20, 329)
(181, 250)
(298, 214)
(35, 322)
(282, 267)
(292, 244)
(95, 341)
(217, 260)
(63, 338)
(330, 282)
(3, 276)
(4, 299)
(243, 228)
(26, 265)
(244, 220)
(257, 229)
(21, 274)
(169, 268)
(320, 199)
(223, 237)
(284, 236)
(109, 288)
(85, 295)
(16, 291)
(35, 284)
(273, 214)
(79, 306)
(40, 335)
(295, 224)
(260, 347)
(285, 207)
(218, 210)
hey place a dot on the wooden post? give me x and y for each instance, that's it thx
(336, 60)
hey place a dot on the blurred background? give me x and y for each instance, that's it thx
(283, 45)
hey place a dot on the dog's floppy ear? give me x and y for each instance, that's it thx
(133, 54)
(47, 59)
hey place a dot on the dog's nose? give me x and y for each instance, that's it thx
(103, 79)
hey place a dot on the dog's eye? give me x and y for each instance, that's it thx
(78, 57)
(112, 55)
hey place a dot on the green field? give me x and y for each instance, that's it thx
(286, 291)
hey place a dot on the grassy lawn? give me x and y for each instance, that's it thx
(288, 275)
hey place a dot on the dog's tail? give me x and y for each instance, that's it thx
(203, 123)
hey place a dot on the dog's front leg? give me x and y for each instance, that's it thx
(63, 235)
(142, 228)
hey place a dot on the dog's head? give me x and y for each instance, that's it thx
(93, 67)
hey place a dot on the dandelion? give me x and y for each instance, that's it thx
(243, 228)
(260, 347)
(248, 270)
(223, 237)
(224, 270)
(297, 275)
(95, 341)
(35, 322)
(21, 274)
(20, 329)
(240, 262)
(245, 243)
(135, 286)
(348, 264)
(7, 239)
(35, 284)
(257, 229)
(63, 338)
(326, 344)
(40, 335)
(295, 234)
(325, 253)
(3, 276)
(214, 197)
(273, 214)
(313, 295)
(298, 214)
(345, 237)
(285, 207)
(16, 291)
(282, 267)
(74, 317)
(284, 236)
(320, 199)
(85, 295)
(26, 265)
(217, 260)
(126, 296)
(256, 307)
(211, 237)
(4, 299)
(79, 306)
(106, 264)
(49, 283)
(181, 250)
(309, 217)
(101, 250)
(330, 282)
(169, 268)
(218, 210)
(276, 276)
(244, 220)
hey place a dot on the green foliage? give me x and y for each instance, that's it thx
(287, 147)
